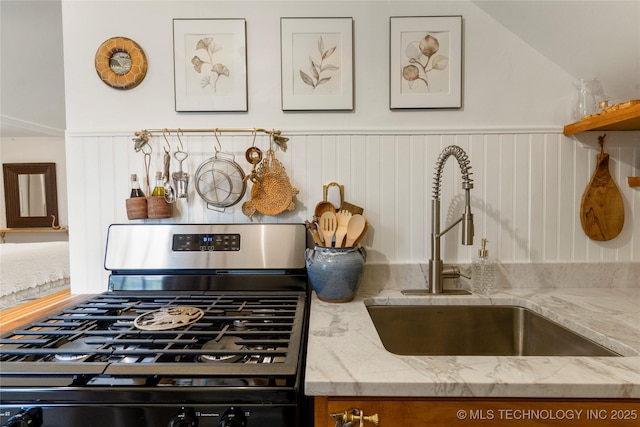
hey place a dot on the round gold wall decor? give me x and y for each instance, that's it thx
(121, 63)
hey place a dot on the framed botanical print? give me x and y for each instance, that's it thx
(317, 63)
(425, 62)
(210, 64)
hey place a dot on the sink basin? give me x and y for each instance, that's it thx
(476, 330)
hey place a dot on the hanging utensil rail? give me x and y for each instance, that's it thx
(142, 136)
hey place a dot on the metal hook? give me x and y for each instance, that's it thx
(179, 131)
(255, 132)
(215, 133)
(164, 134)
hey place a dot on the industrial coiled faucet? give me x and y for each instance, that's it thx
(437, 270)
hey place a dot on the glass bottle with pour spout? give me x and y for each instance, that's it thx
(137, 202)
(136, 191)
(158, 190)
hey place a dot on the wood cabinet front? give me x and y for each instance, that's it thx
(471, 412)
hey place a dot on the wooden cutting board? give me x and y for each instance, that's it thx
(602, 208)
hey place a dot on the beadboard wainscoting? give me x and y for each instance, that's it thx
(526, 197)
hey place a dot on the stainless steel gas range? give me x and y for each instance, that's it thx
(202, 325)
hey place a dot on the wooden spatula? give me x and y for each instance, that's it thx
(602, 208)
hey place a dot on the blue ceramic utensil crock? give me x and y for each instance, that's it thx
(335, 273)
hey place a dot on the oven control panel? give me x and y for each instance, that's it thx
(206, 242)
(166, 414)
(177, 247)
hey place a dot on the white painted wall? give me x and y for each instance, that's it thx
(507, 83)
(529, 178)
(585, 38)
(32, 77)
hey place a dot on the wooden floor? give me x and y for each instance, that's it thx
(32, 310)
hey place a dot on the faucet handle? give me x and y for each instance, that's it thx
(451, 271)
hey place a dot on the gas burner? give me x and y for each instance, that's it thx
(81, 349)
(120, 325)
(246, 325)
(266, 312)
(240, 325)
(226, 343)
(168, 318)
(129, 358)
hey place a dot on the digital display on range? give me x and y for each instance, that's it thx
(206, 242)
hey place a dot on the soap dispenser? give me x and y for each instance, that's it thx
(483, 271)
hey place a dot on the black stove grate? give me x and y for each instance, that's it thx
(238, 335)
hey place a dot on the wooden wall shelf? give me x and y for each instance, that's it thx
(4, 231)
(626, 118)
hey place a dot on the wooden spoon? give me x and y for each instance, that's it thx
(602, 208)
(323, 207)
(361, 236)
(355, 228)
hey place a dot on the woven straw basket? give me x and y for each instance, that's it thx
(157, 207)
(272, 192)
(137, 208)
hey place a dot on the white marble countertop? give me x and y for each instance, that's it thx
(345, 356)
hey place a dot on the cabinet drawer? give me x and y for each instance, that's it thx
(471, 412)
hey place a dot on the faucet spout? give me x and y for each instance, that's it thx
(436, 266)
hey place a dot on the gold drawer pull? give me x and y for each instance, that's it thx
(349, 417)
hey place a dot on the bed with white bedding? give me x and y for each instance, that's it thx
(30, 270)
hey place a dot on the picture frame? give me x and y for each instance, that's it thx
(425, 59)
(121, 63)
(210, 65)
(317, 64)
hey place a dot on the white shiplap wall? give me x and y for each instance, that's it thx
(528, 186)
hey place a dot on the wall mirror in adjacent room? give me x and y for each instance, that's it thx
(30, 194)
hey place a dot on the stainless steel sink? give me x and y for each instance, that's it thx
(476, 330)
